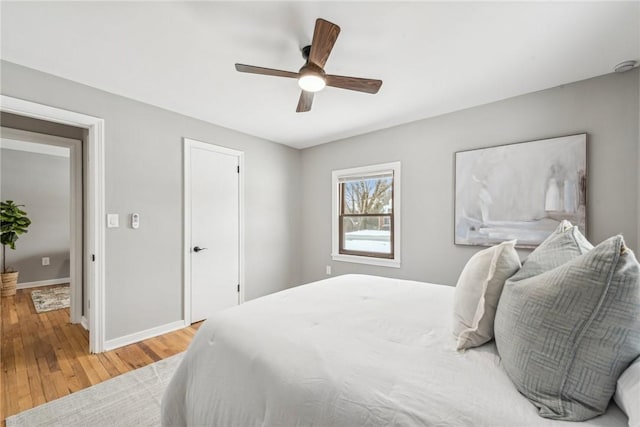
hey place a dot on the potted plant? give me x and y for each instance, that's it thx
(13, 222)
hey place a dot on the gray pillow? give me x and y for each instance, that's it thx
(566, 335)
(562, 245)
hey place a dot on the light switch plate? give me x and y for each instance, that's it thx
(113, 221)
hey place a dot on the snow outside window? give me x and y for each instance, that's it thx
(366, 210)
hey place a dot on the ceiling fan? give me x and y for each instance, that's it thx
(311, 77)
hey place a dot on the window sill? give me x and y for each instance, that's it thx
(381, 262)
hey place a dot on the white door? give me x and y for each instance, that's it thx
(214, 235)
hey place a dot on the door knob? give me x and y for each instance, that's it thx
(197, 249)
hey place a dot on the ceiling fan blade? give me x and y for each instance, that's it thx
(324, 37)
(304, 104)
(266, 71)
(354, 83)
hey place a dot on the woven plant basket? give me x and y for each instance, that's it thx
(9, 283)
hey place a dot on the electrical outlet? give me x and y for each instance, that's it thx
(45, 260)
(328, 270)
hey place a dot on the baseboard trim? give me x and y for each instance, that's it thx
(85, 323)
(143, 335)
(49, 282)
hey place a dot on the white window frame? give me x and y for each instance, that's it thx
(336, 175)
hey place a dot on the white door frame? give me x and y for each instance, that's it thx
(75, 211)
(186, 249)
(95, 192)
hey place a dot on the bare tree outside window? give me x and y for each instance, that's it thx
(366, 216)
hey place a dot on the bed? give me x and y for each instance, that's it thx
(352, 350)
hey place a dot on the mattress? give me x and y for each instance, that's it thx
(352, 350)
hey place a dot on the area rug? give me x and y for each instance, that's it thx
(131, 399)
(50, 299)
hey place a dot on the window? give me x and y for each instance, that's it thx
(366, 215)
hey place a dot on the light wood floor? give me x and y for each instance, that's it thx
(44, 357)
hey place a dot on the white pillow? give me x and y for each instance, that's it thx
(478, 291)
(628, 393)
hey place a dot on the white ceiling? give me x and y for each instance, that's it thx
(434, 57)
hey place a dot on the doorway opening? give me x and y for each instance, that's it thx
(44, 173)
(94, 211)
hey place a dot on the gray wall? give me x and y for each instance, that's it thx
(605, 107)
(144, 175)
(40, 182)
(288, 236)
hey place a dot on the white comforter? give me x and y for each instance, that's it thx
(353, 350)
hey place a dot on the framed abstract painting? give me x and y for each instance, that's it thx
(520, 191)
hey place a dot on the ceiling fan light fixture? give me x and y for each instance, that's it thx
(311, 82)
(312, 78)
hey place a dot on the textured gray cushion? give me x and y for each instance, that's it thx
(562, 245)
(566, 335)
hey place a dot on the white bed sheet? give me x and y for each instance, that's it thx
(352, 350)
